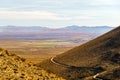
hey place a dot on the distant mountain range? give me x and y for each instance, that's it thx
(22, 28)
(38, 32)
(94, 29)
(74, 28)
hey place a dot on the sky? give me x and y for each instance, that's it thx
(59, 13)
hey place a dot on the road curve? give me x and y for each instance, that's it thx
(52, 60)
(96, 76)
(60, 64)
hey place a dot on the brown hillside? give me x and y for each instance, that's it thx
(88, 59)
(86, 54)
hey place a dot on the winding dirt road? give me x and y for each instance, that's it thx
(64, 65)
(87, 78)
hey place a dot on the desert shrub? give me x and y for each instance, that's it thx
(111, 56)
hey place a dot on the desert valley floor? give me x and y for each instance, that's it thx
(37, 50)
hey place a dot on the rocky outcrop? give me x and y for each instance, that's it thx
(12, 67)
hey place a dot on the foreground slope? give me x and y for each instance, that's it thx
(89, 59)
(13, 67)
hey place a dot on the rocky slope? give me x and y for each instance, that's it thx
(12, 67)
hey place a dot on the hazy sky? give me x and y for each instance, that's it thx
(60, 13)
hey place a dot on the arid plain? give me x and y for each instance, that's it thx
(37, 50)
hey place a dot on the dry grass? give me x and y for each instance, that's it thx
(12, 67)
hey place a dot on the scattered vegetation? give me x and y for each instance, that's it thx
(112, 57)
(113, 74)
(12, 67)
